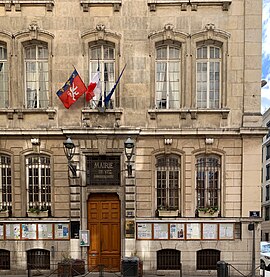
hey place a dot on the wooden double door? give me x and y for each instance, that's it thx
(104, 216)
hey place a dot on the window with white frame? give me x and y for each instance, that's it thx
(36, 75)
(208, 76)
(4, 101)
(5, 183)
(102, 59)
(208, 181)
(168, 76)
(38, 176)
(167, 182)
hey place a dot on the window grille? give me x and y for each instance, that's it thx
(168, 177)
(4, 259)
(5, 183)
(168, 77)
(207, 259)
(267, 172)
(36, 76)
(208, 181)
(102, 59)
(4, 101)
(38, 170)
(208, 66)
(168, 259)
(38, 259)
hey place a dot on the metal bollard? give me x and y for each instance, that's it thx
(222, 269)
(101, 270)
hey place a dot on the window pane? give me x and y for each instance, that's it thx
(102, 57)
(208, 77)
(38, 181)
(3, 77)
(168, 176)
(208, 181)
(37, 77)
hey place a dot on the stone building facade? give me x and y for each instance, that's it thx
(189, 98)
(265, 179)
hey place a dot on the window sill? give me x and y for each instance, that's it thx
(116, 112)
(40, 214)
(4, 213)
(17, 3)
(192, 3)
(167, 213)
(20, 112)
(87, 3)
(206, 214)
(193, 112)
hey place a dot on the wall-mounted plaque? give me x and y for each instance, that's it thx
(226, 231)
(177, 231)
(29, 231)
(13, 231)
(193, 231)
(61, 231)
(130, 229)
(84, 238)
(103, 170)
(144, 231)
(161, 231)
(210, 231)
(45, 231)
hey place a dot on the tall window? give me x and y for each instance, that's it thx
(36, 76)
(168, 178)
(208, 67)
(5, 183)
(168, 77)
(38, 171)
(208, 181)
(102, 58)
(3, 77)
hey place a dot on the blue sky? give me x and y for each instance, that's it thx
(266, 55)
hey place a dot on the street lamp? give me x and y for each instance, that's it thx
(129, 152)
(69, 149)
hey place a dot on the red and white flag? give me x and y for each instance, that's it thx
(94, 87)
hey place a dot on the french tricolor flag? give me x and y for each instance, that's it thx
(94, 87)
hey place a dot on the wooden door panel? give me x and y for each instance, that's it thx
(94, 238)
(105, 235)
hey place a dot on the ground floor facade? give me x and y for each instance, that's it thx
(186, 203)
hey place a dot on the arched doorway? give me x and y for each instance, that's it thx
(104, 216)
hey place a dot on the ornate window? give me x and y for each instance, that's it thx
(168, 179)
(167, 49)
(38, 176)
(102, 58)
(210, 68)
(168, 76)
(208, 181)
(36, 75)
(208, 76)
(207, 259)
(5, 183)
(4, 101)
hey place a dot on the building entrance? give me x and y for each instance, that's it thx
(105, 233)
